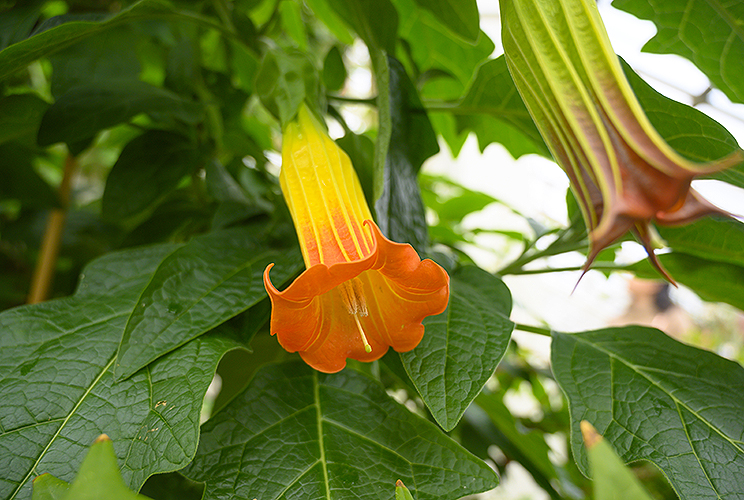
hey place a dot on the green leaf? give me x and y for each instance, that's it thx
(297, 433)
(331, 19)
(20, 116)
(401, 492)
(528, 447)
(433, 47)
(707, 32)
(460, 16)
(612, 479)
(375, 21)
(334, 70)
(172, 485)
(291, 13)
(656, 399)
(17, 23)
(48, 487)
(197, 287)
(712, 280)
(493, 109)
(149, 167)
(56, 361)
(53, 36)
(80, 113)
(716, 239)
(361, 151)
(462, 346)
(99, 477)
(19, 179)
(400, 210)
(106, 56)
(284, 81)
(689, 131)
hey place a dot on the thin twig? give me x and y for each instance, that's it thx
(46, 264)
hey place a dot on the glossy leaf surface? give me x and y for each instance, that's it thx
(656, 399)
(400, 210)
(296, 433)
(462, 346)
(56, 373)
(197, 287)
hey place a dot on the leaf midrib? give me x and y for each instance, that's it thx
(67, 419)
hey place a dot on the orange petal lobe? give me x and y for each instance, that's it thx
(398, 291)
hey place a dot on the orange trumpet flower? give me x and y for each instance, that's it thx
(361, 293)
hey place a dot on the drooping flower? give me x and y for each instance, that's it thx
(361, 293)
(623, 173)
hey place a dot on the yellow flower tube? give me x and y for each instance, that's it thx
(361, 293)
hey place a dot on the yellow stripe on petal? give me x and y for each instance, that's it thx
(323, 194)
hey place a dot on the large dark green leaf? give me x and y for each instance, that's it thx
(462, 346)
(708, 32)
(20, 116)
(656, 399)
(199, 286)
(148, 169)
(299, 434)
(19, 179)
(107, 56)
(400, 210)
(56, 377)
(58, 34)
(460, 16)
(17, 23)
(80, 113)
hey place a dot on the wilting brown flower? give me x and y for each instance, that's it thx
(624, 175)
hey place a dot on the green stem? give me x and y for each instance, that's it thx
(517, 266)
(595, 267)
(372, 101)
(532, 329)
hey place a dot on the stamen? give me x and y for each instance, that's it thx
(352, 294)
(367, 347)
